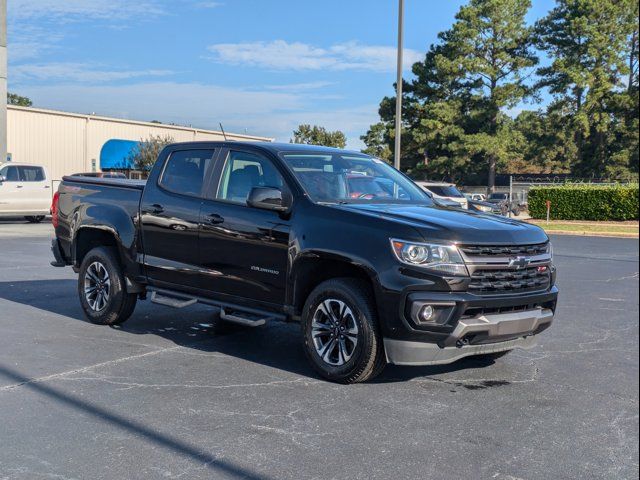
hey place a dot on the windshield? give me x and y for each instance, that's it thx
(350, 178)
(445, 191)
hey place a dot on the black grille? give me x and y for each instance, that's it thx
(474, 311)
(491, 282)
(504, 250)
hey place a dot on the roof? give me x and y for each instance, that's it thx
(273, 147)
(136, 122)
(19, 164)
(303, 147)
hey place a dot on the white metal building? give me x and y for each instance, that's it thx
(68, 143)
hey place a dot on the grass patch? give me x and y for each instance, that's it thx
(602, 228)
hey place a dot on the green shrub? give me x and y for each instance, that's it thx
(585, 202)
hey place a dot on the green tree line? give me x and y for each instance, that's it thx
(458, 108)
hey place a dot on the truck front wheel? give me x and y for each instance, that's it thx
(341, 336)
(102, 289)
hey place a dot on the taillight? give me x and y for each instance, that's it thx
(54, 209)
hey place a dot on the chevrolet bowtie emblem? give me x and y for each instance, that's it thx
(519, 262)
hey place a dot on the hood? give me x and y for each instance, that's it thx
(454, 224)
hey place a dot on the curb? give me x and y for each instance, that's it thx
(592, 234)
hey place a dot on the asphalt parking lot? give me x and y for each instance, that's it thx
(163, 397)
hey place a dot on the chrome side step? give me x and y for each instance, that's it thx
(172, 301)
(232, 313)
(242, 318)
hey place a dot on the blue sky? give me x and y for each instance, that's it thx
(260, 66)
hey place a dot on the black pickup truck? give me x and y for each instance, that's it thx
(341, 242)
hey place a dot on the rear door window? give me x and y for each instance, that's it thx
(186, 170)
(31, 174)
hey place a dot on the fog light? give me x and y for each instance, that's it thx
(426, 313)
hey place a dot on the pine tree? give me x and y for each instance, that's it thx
(589, 41)
(492, 48)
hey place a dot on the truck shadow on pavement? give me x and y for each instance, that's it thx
(201, 457)
(276, 345)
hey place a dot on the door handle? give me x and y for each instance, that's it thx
(157, 208)
(19, 186)
(214, 219)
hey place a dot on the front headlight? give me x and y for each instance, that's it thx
(443, 258)
(484, 208)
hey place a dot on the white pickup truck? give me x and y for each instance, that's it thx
(25, 190)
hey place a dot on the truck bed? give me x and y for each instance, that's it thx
(111, 182)
(110, 204)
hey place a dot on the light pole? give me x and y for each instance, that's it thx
(396, 155)
(3, 81)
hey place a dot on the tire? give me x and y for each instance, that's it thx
(34, 218)
(108, 303)
(348, 304)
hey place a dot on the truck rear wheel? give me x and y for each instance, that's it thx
(341, 336)
(102, 288)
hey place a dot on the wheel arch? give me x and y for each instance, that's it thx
(311, 270)
(89, 237)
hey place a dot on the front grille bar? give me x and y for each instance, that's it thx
(493, 273)
(504, 250)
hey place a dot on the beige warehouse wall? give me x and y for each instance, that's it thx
(54, 141)
(67, 143)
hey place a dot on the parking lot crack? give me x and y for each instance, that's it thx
(55, 376)
(110, 380)
(294, 435)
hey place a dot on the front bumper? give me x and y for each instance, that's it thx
(473, 336)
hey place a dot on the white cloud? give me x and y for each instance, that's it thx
(26, 41)
(76, 72)
(35, 26)
(209, 4)
(68, 10)
(281, 55)
(183, 103)
(259, 111)
(296, 87)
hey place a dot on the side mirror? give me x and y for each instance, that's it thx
(2, 179)
(269, 198)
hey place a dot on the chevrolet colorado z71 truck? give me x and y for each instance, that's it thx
(341, 242)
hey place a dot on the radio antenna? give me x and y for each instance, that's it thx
(223, 134)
